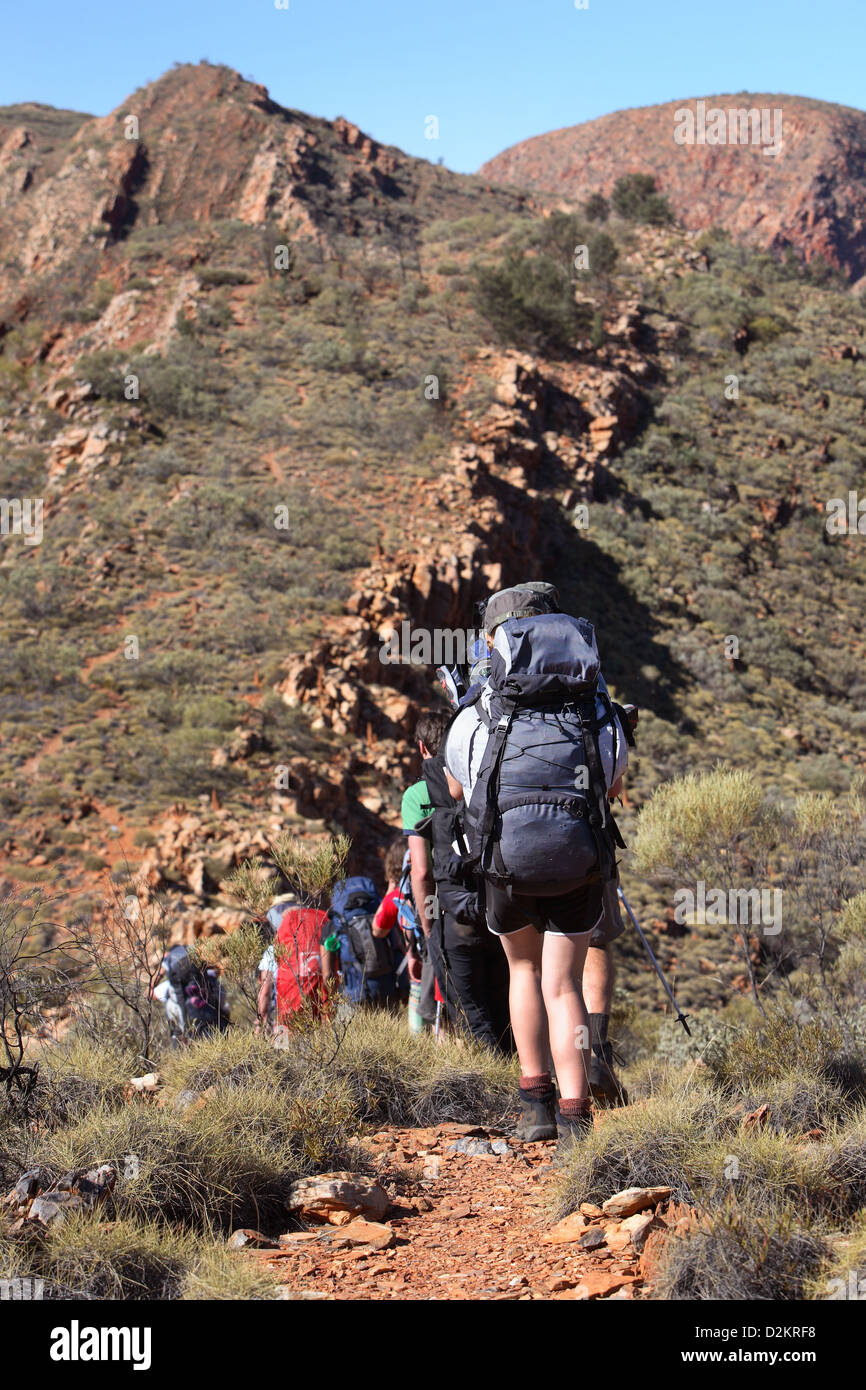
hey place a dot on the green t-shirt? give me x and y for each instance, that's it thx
(416, 805)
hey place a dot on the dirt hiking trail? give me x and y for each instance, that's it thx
(470, 1219)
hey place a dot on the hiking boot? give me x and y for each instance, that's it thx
(572, 1129)
(537, 1116)
(603, 1083)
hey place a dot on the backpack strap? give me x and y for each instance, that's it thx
(625, 722)
(599, 814)
(483, 808)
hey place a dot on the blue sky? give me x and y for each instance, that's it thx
(492, 71)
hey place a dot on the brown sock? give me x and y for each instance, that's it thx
(536, 1085)
(570, 1108)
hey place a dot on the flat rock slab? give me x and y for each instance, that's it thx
(634, 1199)
(374, 1235)
(570, 1228)
(601, 1283)
(327, 1196)
(480, 1148)
(241, 1239)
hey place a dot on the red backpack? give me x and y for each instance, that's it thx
(299, 965)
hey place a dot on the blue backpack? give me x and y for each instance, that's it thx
(363, 956)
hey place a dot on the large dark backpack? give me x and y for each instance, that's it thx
(538, 818)
(353, 907)
(196, 990)
(457, 887)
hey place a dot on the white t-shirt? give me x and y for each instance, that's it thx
(268, 963)
(468, 735)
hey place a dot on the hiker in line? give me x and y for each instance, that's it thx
(362, 960)
(386, 923)
(192, 995)
(476, 972)
(462, 685)
(536, 757)
(290, 971)
(469, 967)
(415, 809)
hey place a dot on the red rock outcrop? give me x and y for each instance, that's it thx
(811, 195)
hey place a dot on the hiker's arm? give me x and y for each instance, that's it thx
(263, 1001)
(327, 958)
(454, 786)
(384, 920)
(423, 887)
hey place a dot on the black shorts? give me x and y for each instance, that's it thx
(568, 914)
(611, 924)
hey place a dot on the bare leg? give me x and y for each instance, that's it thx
(598, 979)
(523, 951)
(562, 966)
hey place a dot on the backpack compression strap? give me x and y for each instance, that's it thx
(599, 815)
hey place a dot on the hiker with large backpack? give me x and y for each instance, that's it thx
(475, 974)
(536, 756)
(363, 957)
(291, 976)
(192, 996)
(269, 925)
(420, 893)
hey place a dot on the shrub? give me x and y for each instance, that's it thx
(635, 197)
(223, 275)
(596, 208)
(529, 301)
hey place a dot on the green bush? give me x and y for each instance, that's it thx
(636, 198)
(596, 208)
(529, 301)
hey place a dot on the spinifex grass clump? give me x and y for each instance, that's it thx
(131, 1260)
(235, 1126)
(738, 1253)
(665, 1141)
(407, 1079)
(812, 1056)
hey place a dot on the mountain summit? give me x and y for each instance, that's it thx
(776, 171)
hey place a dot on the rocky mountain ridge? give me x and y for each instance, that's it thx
(808, 194)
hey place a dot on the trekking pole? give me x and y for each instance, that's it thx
(438, 1018)
(681, 1017)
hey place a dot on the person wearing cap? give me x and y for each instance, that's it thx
(578, 956)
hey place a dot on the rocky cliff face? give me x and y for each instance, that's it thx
(109, 227)
(200, 145)
(809, 194)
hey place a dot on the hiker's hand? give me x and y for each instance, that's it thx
(415, 967)
(616, 789)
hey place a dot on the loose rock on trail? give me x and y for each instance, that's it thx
(468, 1219)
